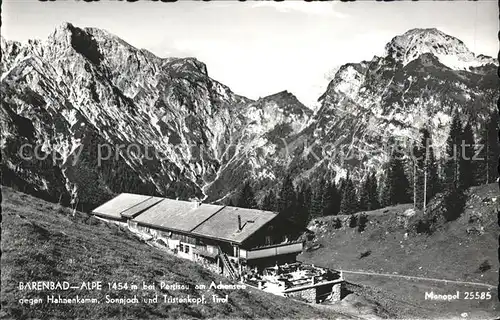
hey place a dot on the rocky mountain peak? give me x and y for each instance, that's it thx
(281, 96)
(289, 101)
(68, 38)
(189, 64)
(10, 49)
(82, 87)
(450, 51)
(413, 43)
(415, 84)
(62, 33)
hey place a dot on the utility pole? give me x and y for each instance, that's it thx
(425, 168)
(487, 160)
(425, 188)
(414, 185)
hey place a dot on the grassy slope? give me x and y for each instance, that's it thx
(42, 241)
(449, 253)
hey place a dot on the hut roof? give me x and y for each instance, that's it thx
(224, 224)
(114, 207)
(177, 215)
(141, 207)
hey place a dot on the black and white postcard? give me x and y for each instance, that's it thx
(249, 159)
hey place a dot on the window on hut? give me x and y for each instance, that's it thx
(268, 240)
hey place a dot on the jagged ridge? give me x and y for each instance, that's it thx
(82, 88)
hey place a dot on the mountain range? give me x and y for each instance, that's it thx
(107, 117)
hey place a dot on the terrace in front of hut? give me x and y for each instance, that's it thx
(254, 246)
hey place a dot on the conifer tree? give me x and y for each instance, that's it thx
(400, 184)
(419, 155)
(488, 152)
(365, 196)
(482, 172)
(493, 151)
(287, 202)
(396, 185)
(341, 186)
(385, 189)
(336, 223)
(349, 201)
(246, 197)
(368, 197)
(454, 197)
(353, 221)
(317, 199)
(373, 202)
(331, 199)
(433, 180)
(307, 191)
(269, 201)
(327, 199)
(336, 199)
(467, 164)
(452, 161)
(303, 205)
(425, 178)
(362, 221)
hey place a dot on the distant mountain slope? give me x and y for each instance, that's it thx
(450, 51)
(413, 85)
(259, 152)
(43, 241)
(163, 126)
(86, 90)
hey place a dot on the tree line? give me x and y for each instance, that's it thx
(468, 161)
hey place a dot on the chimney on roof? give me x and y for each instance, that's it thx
(239, 223)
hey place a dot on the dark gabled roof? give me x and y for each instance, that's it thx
(114, 207)
(177, 215)
(205, 220)
(224, 224)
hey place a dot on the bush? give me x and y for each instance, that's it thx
(353, 221)
(423, 226)
(473, 219)
(363, 219)
(454, 203)
(336, 223)
(485, 266)
(63, 210)
(365, 254)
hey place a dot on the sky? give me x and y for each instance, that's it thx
(258, 48)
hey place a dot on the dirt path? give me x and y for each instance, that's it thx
(419, 278)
